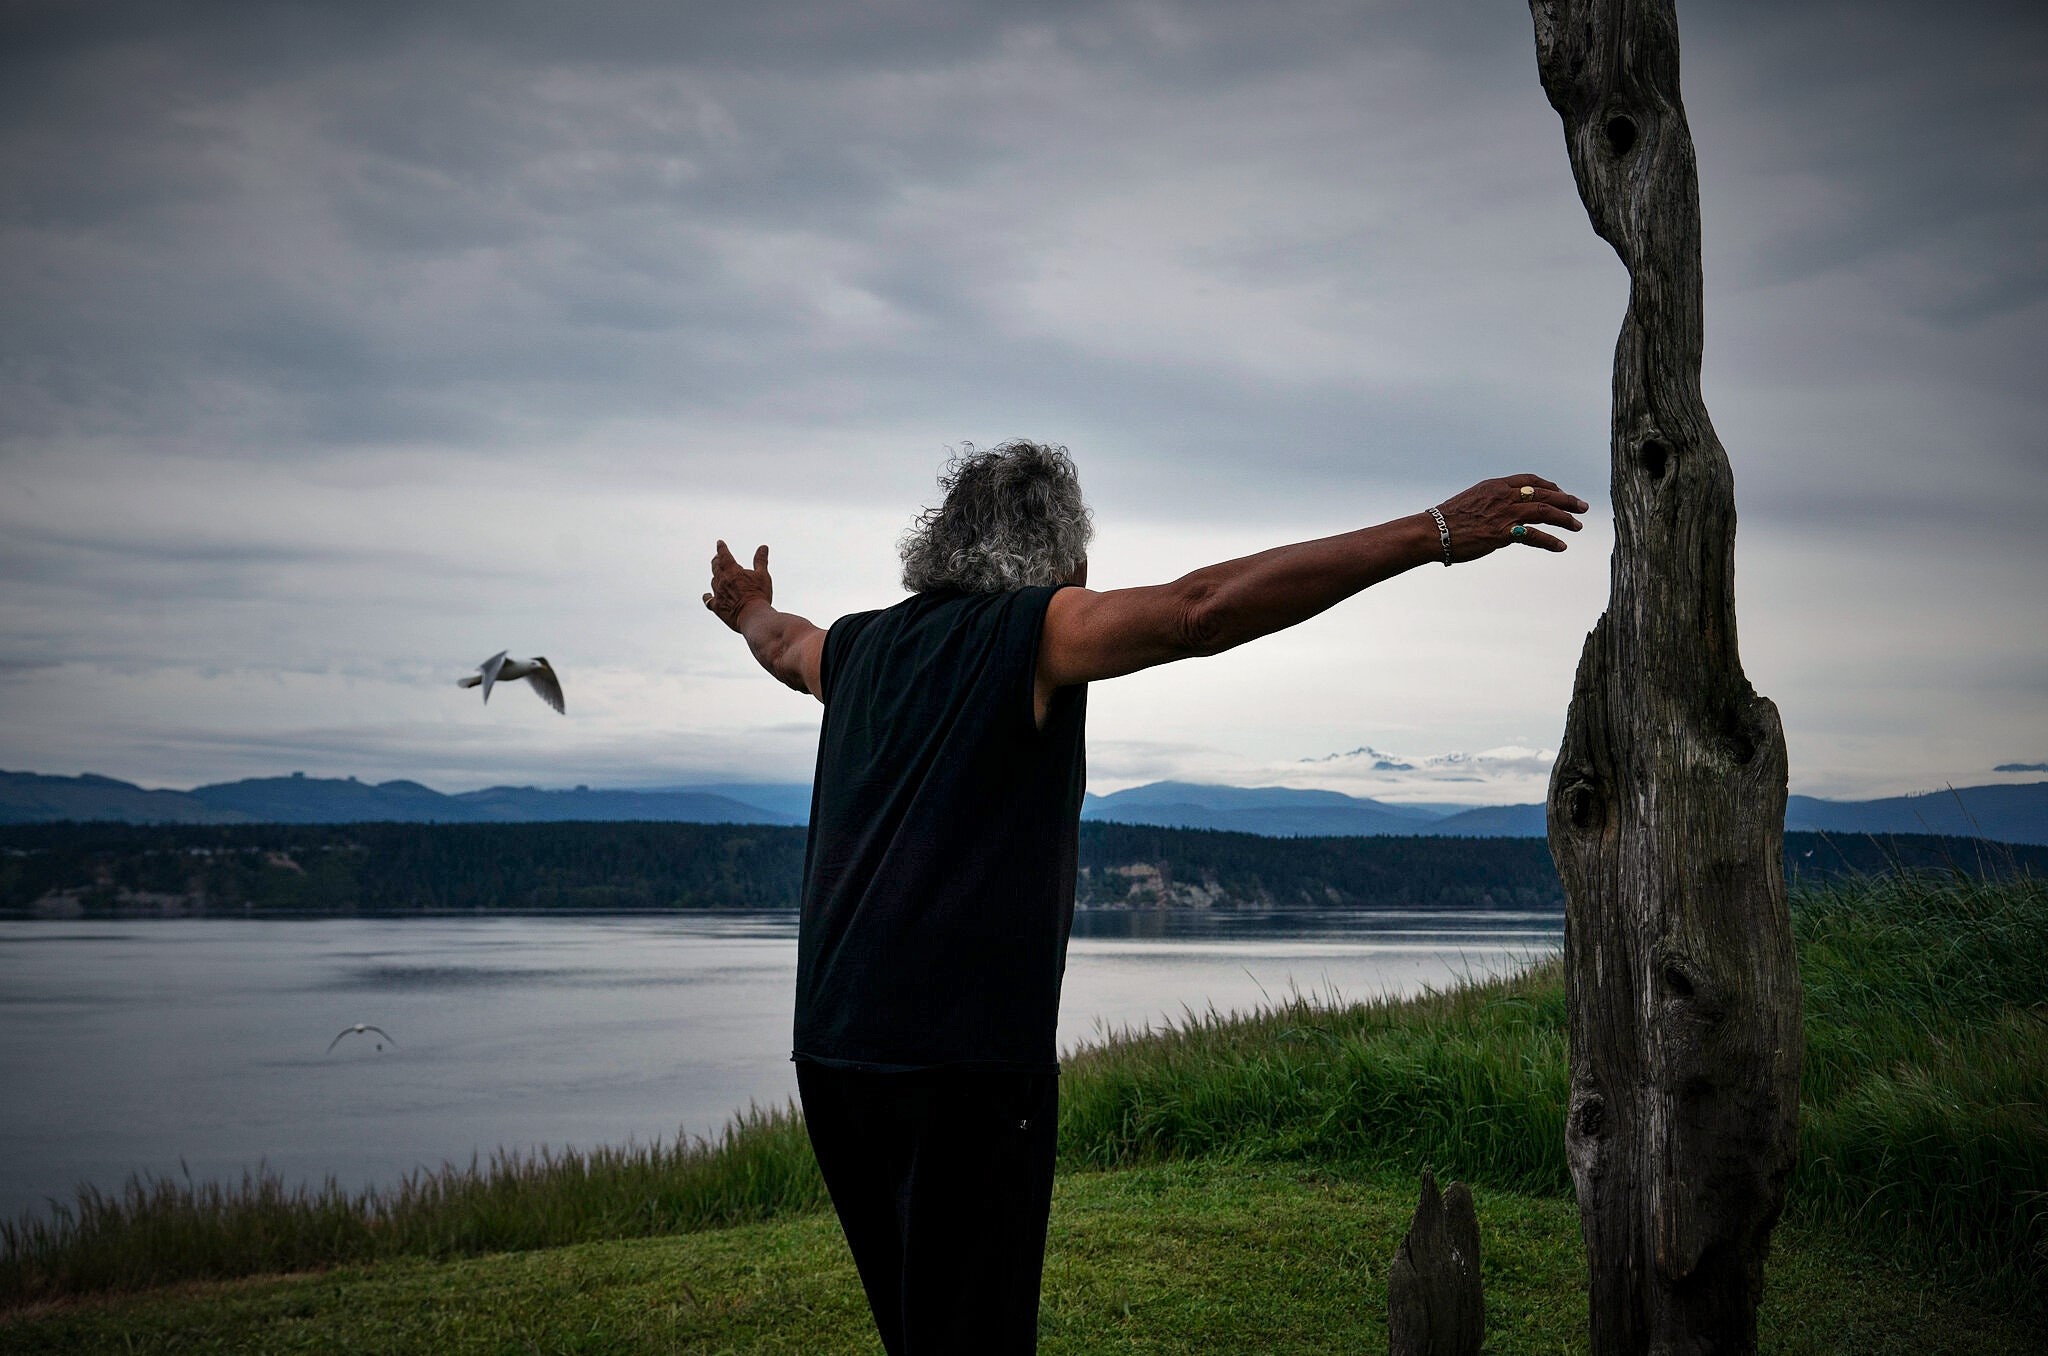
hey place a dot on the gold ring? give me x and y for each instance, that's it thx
(1528, 492)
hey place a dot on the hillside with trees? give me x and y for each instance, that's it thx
(328, 868)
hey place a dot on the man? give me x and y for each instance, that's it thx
(939, 880)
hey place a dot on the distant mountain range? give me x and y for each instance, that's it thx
(1287, 812)
(2013, 814)
(2008, 814)
(29, 798)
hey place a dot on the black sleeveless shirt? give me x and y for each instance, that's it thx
(939, 878)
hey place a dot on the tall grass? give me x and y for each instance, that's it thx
(1924, 1113)
(1924, 1118)
(161, 1230)
(1924, 1101)
(1470, 1081)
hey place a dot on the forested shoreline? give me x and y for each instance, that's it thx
(387, 868)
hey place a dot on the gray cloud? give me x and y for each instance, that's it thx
(455, 223)
(1883, 130)
(346, 229)
(329, 322)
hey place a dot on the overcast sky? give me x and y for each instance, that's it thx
(346, 344)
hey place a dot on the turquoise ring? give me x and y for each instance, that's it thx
(1519, 530)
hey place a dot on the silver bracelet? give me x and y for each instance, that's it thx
(1443, 529)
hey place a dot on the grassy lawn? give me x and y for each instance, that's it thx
(1187, 1257)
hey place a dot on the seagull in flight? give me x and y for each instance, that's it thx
(359, 1028)
(499, 669)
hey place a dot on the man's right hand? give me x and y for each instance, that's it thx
(733, 586)
(790, 648)
(1482, 519)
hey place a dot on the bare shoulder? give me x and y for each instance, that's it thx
(1071, 615)
(1066, 603)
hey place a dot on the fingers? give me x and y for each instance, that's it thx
(1550, 506)
(1569, 502)
(1537, 511)
(1549, 493)
(723, 558)
(1556, 517)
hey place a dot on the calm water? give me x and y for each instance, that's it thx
(134, 1046)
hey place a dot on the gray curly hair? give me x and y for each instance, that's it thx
(1013, 517)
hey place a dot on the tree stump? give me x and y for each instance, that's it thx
(1667, 804)
(1435, 1306)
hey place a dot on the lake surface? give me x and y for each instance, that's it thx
(137, 1046)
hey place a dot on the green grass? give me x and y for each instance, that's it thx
(161, 1231)
(1471, 1081)
(1196, 1257)
(1924, 1114)
(1924, 1129)
(1924, 1111)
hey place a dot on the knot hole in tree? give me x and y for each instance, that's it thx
(1589, 1117)
(1741, 726)
(1583, 807)
(1620, 131)
(1654, 457)
(1689, 986)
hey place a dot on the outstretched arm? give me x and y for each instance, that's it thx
(1090, 636)
(786, 645)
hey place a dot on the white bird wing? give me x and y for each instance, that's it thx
(549, 687)
(358, 1028)
(489, 669)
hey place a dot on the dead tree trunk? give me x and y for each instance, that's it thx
(1667, 805)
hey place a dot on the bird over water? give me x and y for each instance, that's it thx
(360, 1028)
(500, 669)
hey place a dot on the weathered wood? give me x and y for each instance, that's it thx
(1435, 1306)
(1666, 808)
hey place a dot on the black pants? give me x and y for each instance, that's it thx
(942, 1181)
